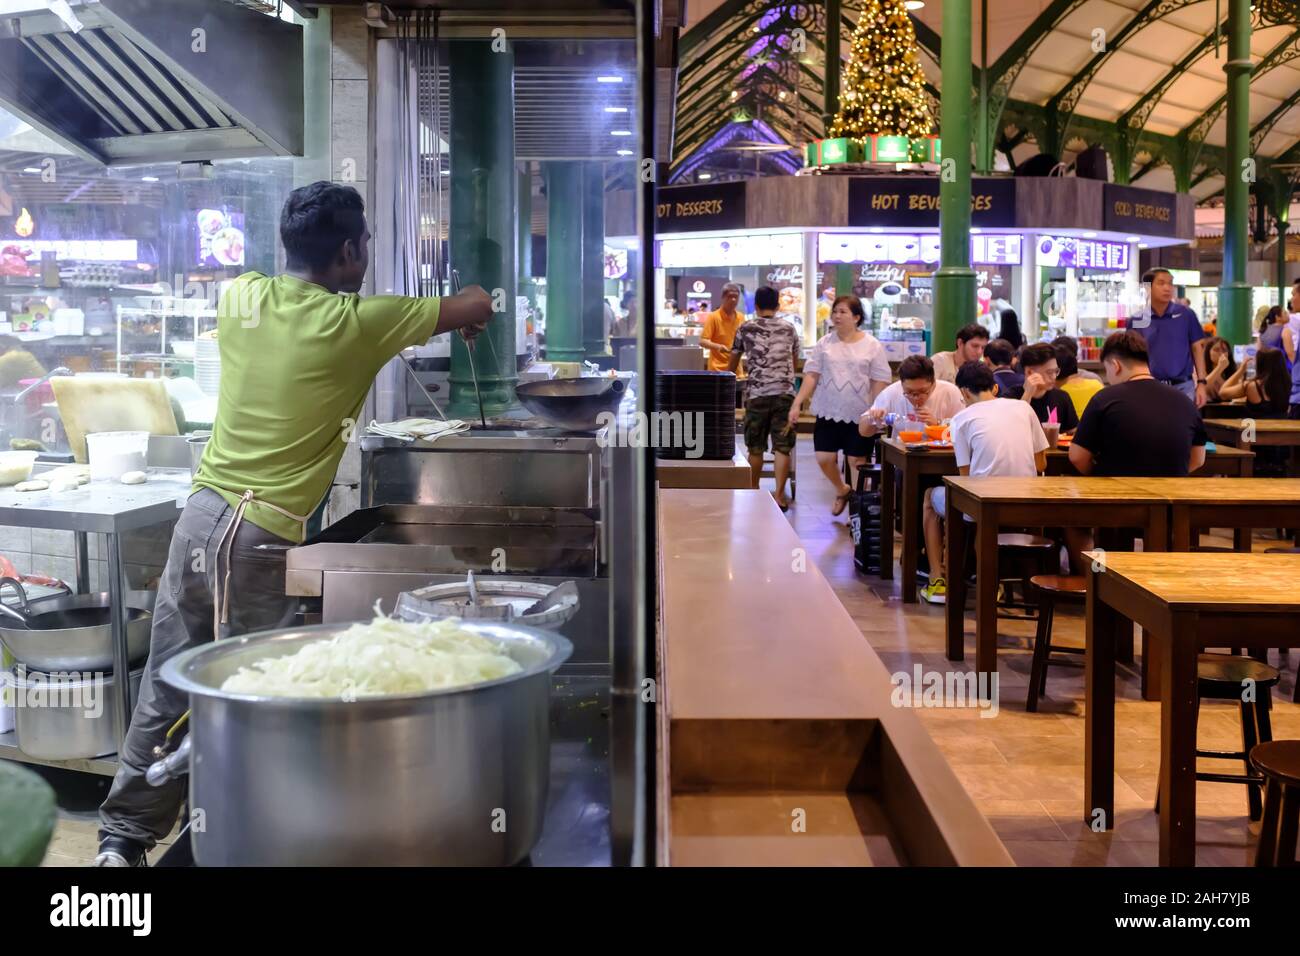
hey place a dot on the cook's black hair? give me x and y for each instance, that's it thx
(765, 298)
(317, 220)
(975, 377)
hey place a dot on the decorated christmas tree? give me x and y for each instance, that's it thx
(884, 86)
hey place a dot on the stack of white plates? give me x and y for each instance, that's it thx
(207, 366)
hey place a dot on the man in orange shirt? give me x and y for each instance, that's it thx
(720, 329)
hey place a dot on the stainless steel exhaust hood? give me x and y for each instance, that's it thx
(147, 81)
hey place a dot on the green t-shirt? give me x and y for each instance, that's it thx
(296, 363)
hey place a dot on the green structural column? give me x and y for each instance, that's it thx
(524, 234)
(483, 220)
(954, 283)
(563, 262)
(1283, 290)
(593, 260)
(1234, 294)
(831, 83)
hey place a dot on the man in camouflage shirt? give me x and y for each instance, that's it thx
(770, 344)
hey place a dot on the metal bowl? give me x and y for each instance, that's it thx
(574, 404)
(74, 632)
(292, 781)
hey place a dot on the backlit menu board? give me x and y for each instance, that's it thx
(995, 250)
(1069, 252)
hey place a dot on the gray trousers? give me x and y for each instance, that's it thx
(182, 619)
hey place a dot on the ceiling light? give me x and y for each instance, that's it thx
(781, 95)
(609, 78)
(735, 93)
(624, 152)
(32, 169)
(615, 109)
(620, 132)
(1143, 245)
(1133, 239)
(148, 179)
(877, 229)
(1090, 235)
(704, 176)
(914, 4)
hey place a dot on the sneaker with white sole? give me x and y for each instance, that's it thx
(936, 592)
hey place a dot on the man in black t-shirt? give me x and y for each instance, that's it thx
(1038, 363)
(1137, 427)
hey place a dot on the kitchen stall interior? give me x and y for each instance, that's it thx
(476, 498)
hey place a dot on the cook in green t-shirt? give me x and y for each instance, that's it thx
(298, 354)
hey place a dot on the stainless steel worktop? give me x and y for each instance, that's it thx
(105, 507)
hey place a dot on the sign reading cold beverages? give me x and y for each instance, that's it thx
(1143, 212)
(700, 208)
(913, 202)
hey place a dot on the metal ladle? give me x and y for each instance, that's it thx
(469, 344)
(9, 612)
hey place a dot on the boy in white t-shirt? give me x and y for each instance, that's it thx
(991, 436)
(916, 393)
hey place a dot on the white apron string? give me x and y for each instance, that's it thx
(221, 584)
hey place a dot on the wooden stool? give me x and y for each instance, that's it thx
(1048, 589)
(1029, 554)
(1279, 763)
(1220, 677)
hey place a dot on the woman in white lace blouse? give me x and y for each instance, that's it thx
(845, 371)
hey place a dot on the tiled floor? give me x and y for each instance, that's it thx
(1025, 771)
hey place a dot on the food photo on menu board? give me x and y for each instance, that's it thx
(221, 238)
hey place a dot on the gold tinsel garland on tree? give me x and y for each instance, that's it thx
(884, 85)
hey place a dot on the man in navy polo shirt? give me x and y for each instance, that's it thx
(1174, 336)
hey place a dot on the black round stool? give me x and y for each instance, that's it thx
(1279, 763)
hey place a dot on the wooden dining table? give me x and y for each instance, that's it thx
(1253, 603)
(1247, 434)
(1049, 501)
(907, 472)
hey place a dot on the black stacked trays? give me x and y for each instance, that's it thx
(706, 399)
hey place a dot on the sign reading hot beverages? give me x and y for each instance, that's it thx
(700, 208)
(913, 202)
(1143, 212)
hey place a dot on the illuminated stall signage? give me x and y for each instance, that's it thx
(997, 250)
(1144, 212)
(1071, 253)
(700, 208)
(912, 202)
(769, 249)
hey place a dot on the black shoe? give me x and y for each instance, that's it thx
(120, 851)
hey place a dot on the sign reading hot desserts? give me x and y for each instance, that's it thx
(700, 208)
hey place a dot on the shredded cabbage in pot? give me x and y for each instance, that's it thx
(384, 657)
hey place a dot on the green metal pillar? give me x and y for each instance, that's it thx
(594, 341)
(563, 260)
(954, 283)
(985, 135)
(483, 220)
(1283, 290)
(831, 82)
(524, 234)
(1234, 294)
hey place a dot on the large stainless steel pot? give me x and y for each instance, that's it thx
(61, 718)
(74, 632)
(455, 777)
